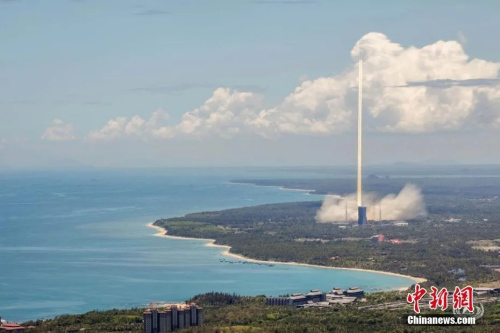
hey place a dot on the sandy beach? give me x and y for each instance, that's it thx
(210, 243)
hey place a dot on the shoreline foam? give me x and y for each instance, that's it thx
(162, 232)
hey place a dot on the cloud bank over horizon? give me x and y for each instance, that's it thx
(408, 204)
(406, 90)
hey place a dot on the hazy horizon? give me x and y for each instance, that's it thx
(368, 169)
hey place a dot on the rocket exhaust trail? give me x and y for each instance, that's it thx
(361, 208)
(360, 134)
(409, 203)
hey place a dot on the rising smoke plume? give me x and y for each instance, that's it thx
(409, 203)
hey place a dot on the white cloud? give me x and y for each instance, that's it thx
(134, 126)
(326, 105)
(389, 67)
(406, 89)
(112, 130)
(155, 125)
(122, 126)
(59, 131)
(224, 114)
(320, 106)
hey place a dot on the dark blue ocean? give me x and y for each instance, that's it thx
(74, 241)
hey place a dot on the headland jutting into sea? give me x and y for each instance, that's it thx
(162, 232)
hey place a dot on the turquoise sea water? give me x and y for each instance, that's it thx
(75, 241)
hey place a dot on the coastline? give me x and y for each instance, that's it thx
(162, 232)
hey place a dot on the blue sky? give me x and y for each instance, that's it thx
(87, 62)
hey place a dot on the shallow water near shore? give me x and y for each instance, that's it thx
(76, 241)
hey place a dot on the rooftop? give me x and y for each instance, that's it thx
(168, 306)
(298, 297)
(11, 327)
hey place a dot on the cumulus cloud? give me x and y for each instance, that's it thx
(325, 105)
(421, 108)
(408, 204)
(224, 114)
(113, 129)
(135, 126)
(59, 131)
(321, 106)
(406, 89)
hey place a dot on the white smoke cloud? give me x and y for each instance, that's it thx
(409, 203)
(59, 131)
(403, 92)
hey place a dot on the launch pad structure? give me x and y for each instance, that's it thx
(361, 209)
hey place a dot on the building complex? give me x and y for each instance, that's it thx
(172, 317)
(316, 298)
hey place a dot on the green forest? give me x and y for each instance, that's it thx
(288, 232)
(432, 247)
(233, 313)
